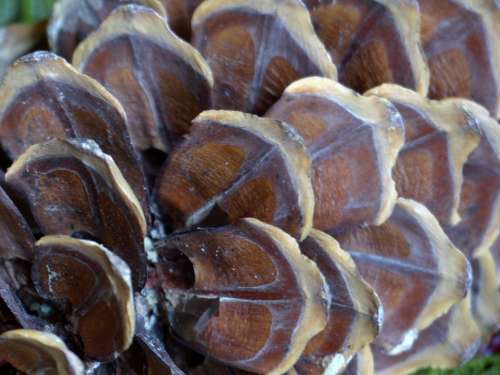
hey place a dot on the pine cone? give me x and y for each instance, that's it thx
(309, 187)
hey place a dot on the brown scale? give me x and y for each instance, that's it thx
(460, 40)
(72, 188)
(254, 301)
(409, 257)
(256, 49)
(448, 342)
(479, 207)
(485, 301)
(43, 97)
(73, 20)
(355, 315)
(162, 82)
(372, 41)
(17, 239)
(95, 285)
(439, 137)
(210, 367)
(180, 13)
(236, 165)
(353, 142)
(16, 251)
(34, 352)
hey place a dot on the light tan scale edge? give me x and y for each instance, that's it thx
(138, 20)
(366, 302)
(406, 14)
(379, 112)
(64, 7)
(39, 66)
(489, 11)
(117, 272)
(365, 361)
(453, 267)
(66, 361)
(486, 303)
(314, 288)
(490, 133)
(289, 142)
(90, 154)
(458, 346)
(292, 13)
(462, 137)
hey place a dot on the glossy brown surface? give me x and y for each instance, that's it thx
(35, 352)
(254, 302)
(94, 285)
(161, 81)
(180, 13)
(17, 239)
(43, 97)
(408, 258)
(439, 137)
(460, 41)
(353, 142)
(256, 49)
(355, 315)
(73, 20)
(479, 207)
(236, 165)
(72, 188)
(448, 342)
(372, 41)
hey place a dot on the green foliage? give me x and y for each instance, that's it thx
(479, 366)
(25, 11)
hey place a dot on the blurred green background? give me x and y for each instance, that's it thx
(25, 11)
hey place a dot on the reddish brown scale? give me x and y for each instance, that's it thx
(439, 137)
(460, 40)
(252, 301)
(210, 367)
(94, 287)
(479, 207)
(372, 41)
(73, 20)
(161, 94)
(251, 69)
(355, 315)
(353, 142)
(409, 257)
(236, 165)
(43, 97)
(71, 187)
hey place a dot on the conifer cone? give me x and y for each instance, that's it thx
(300, 187)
